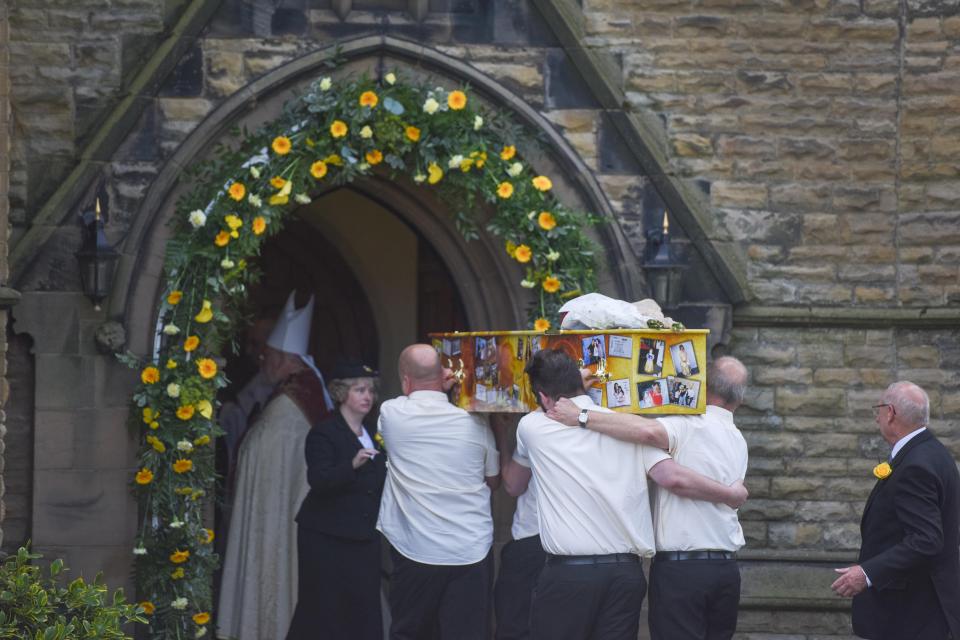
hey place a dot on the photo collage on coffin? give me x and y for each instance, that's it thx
(498, 363)
(652, 389)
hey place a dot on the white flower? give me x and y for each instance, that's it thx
(179, 604)
(254, 172)
(366, 132)
(431, 106)
(171, 330)
(527, 284)
(477, 123)
(515, 169)
(455, 162)
(176, 524)
(202, 631)
(226, 263)
(419, 178)
(325, 84)
(139, 551)
(531, 215)
(198, 218)
(302, 198)
(173, 390)
(255, 201)
(185, 445)
(363, 166)
(390, 78)
(553, 256)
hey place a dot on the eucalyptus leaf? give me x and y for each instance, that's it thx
(393, 106)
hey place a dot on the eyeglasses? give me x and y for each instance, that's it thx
(877, 407)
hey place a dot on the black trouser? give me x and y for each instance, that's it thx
(693, 599)
(450, 602)
(521, 562)
(338, 588)
(588, 601)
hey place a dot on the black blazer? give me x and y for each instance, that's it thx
(911, 547)
(342, 501)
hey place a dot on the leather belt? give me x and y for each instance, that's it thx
(610, 558)
(705, 554)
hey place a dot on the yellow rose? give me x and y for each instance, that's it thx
(318, 169)
(222, 239)
(179, 557)
(374, 157)
(182, 465)
(191, 343)
(882, 470)
(171, 364)
(546, 220)
(281, 145)
(185, 412)
(277, 182)
(259, 225)
(207, 368)
(413, 134)
(237, 191)
(150, 375)
(523, 254)
(144, 476)
(338, 129)
(508, 152)
(457, 100)
(542, 183)
(541, 324)
(233, 221)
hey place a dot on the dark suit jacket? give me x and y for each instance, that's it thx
(911, 547)
(342, 501)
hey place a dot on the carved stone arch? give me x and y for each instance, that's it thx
(140, 270)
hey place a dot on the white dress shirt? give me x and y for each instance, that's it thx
(526, 519)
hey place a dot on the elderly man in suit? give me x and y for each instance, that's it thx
(907, 583)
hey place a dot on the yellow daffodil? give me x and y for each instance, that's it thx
(505, 190)
(174, 298)
(259, 225)
(206, 313)
(318, 169)
(207, 368)
(541, 324)
(185, 412)
(182, 465)
(369, 99)
(508, 152)
(412, 133)
(542, 183)
(546, 220)
(237, 191)
(551, 284)
(457, 100)
(191, 343)
(434, 173)
(148, 607)
(144, 476)
(523, 254)
(222, 239)
(179, 557)
(339, 129)
(281, 145)
(150, 375)
(374, 157)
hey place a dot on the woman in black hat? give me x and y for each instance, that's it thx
(338, 545)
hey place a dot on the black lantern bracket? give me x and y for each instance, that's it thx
(664, 267)
(96, 257)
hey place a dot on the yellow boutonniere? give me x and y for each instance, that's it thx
(882, 470)
(379, 440)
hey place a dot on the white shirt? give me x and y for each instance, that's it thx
(711, 445)
(526, 519)
(436, 504)
(904, 440)
(591, 489)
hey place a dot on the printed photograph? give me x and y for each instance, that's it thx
(618, 393)
(621, 347)
(651, 357)
(596, 394)
(684, 359)
(593, 349)
(653, 393)
(683, 393)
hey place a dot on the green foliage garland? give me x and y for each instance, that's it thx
(333, 134)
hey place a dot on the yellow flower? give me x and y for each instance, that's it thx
(179, 557)
(205, 408)
(279, 199)
(511, 248)
(144, 476)
(466, 163)
(882, 470)
(148, 607)
(149, 415)
(551, 284)
(374, 157)
(206, 313)
(281, 145)
(174, 298)
(208, 536)
(259, 225)
(237, 191)
(480, 157)
(277, 182)
(505, 190)
(150, 375)
(378, 438)
(201, 618)
(413, 134)
(542, 183)
(318, 169)
(546, 220)
(338, 129)
(182, 465)
(177, 573)
(369, 99)
(202, 440)
(191, 343)
(154, 442)
(508, 152)
(171, 364)
(154, 425)
(222, 239)
(233, 221)
(434, 173)
(457, 100)
(207, 368)
(185, 412)
(183, 491)
(541, 324)
(523, 254)
(334, 159)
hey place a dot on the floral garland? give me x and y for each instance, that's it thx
(331, 135)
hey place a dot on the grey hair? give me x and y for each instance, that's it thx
(727, 380)
(340, 387)
(910, 401)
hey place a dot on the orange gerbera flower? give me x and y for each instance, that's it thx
(185, 412)
(191, 343)
(546, 220)
(144, 476)
(207, 368)
(259, 225)
(222, 239)
(182, 465)
(174, 298)
(413, 134)
(318, 169)
(457, 100)
(150, 375)
(281, 145)
(523, 253)
(338, 129)
(369, 99)
(541, 324)
(551, 284)
(374, 157)
(179, 557)
(508, 152)
(237, 191)
(505, 190)
(542, 183)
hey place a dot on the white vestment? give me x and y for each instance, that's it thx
(259, 588)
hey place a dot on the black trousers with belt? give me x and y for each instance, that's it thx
(521, 562)
(693, 599)
(576, 599)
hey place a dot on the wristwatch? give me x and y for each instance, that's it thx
(582, 420)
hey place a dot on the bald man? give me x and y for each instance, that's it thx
(694, 578)
(435, 510)
(907, 582)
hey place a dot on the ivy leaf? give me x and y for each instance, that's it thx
(393, 106)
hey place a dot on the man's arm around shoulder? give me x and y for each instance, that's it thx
(622, 426)
(687, 483)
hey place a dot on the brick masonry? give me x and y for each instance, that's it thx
(824, 133)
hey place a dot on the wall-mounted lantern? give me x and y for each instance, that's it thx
(664, 267)
(96, 257)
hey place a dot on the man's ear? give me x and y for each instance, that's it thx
(545, 401)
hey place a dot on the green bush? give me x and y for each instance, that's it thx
(34, 607)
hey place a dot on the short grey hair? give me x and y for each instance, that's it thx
(727, 380)
(340, 387)
(911, 403)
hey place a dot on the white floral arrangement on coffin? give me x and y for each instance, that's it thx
(597, 311)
